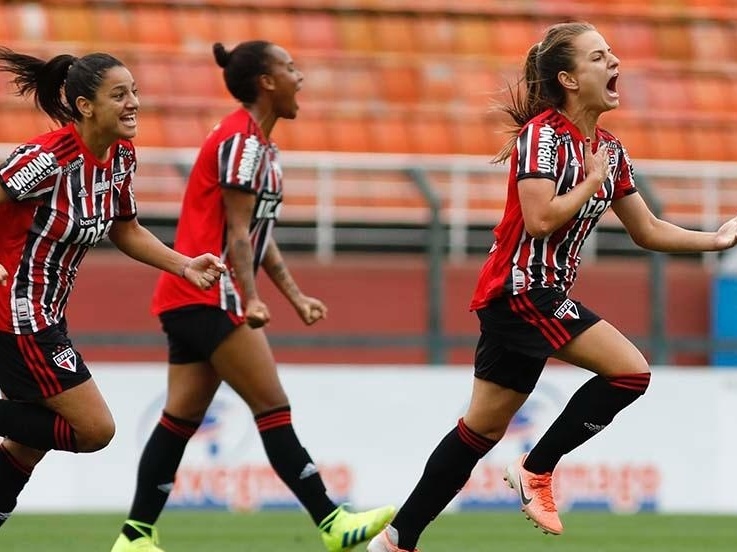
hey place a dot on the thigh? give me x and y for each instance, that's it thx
(492, 408)
(83, 407)
(603, 350)
(190, 390)
(244, 360)
(40, 365)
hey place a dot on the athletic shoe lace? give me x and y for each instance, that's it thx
(543, 485)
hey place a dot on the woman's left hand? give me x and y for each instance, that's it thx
(727, 235)
(310, 310)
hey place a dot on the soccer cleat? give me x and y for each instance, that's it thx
(342, 530)
(144, 543)
(536, 495)
(386, 541)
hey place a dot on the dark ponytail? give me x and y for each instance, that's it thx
(242, 67)
(42, 79)
(56, 84)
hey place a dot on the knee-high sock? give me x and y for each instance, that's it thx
(13, 477)
(292, 463)
(157, 469)
(446, 472)
(34, 426)
(590, 410)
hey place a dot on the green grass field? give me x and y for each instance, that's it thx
(293, 532)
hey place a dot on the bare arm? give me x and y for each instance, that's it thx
(650, 232)
(278, 272)
(544, 211)
(309, 309)
(140, 244)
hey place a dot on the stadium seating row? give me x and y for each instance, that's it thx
(194, 27)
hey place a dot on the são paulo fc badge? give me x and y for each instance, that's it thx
(66, 359)
(567, 310)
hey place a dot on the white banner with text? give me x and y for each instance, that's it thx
(370, 430)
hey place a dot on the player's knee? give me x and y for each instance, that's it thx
(96, 436)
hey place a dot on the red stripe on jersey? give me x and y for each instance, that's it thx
(39, 368)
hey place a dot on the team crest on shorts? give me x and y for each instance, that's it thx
(567, 310)
(66, 359)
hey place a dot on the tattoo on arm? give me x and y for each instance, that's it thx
(278, 272)
(241, 257)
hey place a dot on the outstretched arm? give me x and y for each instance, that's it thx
(140, 244)
(650, 232)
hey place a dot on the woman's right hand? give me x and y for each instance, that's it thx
(596, 164)
(3, 276)
(257, 313)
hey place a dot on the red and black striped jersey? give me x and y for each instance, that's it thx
(237, 155)
(63, 201)
(549, 147)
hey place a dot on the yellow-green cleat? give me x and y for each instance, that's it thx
(342, 530)
(144, 543)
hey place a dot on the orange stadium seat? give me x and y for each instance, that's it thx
(183, 128)
(316, 31)
(438, 81)
(196, 77)
(151, 130)
(197, 27)
(399, 81)
(309, 132)
(673, 41)
(356, 33)
(276, 27)
(395, 33)
(433, 133)
(670, 140)
(349, 132)
(112, 25)
(634, 40)
(70, 23)
(22, 122)
(513, 38)
(668, 91)
(390, 133)
(152, 75)
(321, 79)
(712, 41)
(436, 34)
(712, 93)
(153, 28)
(473, 37)
(235, 26)
(357, 82)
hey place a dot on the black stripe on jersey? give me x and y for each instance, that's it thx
(226, 149)
(78, 253)
(21, 290)
(259, 246)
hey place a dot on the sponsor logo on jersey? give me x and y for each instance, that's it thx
(546, 149)
(119, 177)
(73, 165)
(36, 170)
(249, 159)
(594, 208)
(268, 206)
(101, 187)
(91, 231)
(66, 359)
(567, 310)
(23, 309)
(125, 152)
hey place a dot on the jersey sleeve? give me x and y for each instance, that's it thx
(29, 172)
(624, 184)
(537, 145)
(125, 207)
(239, 157)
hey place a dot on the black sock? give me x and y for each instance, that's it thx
(34, 426)
(292, 463)
(590, 410)
(446, 472)
(157, 468)
(14, 476)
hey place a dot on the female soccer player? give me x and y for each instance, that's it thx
(565, 172)
(60, 194)
(232, 202)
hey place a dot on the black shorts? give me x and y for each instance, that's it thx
(194, 332)
(40, 365)
(520, 332)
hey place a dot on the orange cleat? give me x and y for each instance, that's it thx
(536, 495)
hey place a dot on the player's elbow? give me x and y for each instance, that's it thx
(539, 229)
